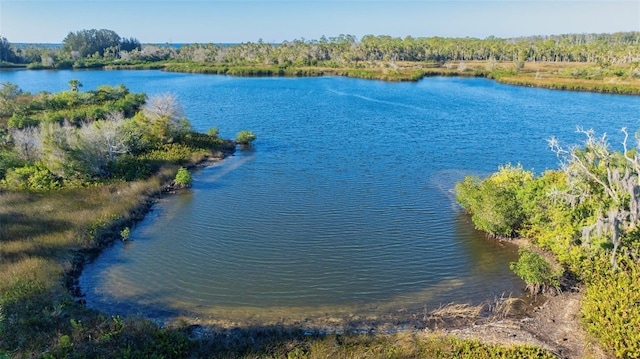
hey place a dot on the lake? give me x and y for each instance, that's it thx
(344, 204)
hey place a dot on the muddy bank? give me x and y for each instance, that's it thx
(554, 326)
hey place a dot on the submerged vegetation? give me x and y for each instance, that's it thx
(584, 62)
(586, 214)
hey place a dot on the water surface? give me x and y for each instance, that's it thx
(344, 203)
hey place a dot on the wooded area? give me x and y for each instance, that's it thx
(623, 47)
(582, 62)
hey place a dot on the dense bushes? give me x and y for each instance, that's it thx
(536, 272)
(26, 110)
(493, 202)
(107, 133)
(183, 178)
(245, 137)
(611, 307)
(33, 177)
(587, 214)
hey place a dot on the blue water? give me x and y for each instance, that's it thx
(344, 203)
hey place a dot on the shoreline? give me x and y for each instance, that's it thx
(406, 72)
(541, 321)
(136, 214)
(503, 321)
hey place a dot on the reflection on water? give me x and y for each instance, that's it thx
(344, 206)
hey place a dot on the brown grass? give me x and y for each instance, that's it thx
(458, 311)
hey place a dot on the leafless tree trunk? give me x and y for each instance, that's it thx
(618, 176)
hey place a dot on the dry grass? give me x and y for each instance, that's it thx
(458, 311)
(508, 307)
(41, 235)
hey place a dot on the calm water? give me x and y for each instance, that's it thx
(344, 203)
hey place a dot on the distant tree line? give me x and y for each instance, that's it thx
(343, 50)
(97, 43)
(84, 44)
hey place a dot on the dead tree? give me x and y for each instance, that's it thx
(618, 175)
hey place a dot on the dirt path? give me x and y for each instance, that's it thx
(554, 326)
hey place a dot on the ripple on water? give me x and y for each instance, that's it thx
(345, 204)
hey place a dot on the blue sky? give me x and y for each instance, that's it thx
(161, 21)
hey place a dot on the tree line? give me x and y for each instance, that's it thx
(343, 50)
(84, 44)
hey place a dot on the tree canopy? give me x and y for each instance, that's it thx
(97, 43)
(622, 47)
(6, 51)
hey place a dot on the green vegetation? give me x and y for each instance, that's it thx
(125, 234)
(536, 272)
(610, 309)
(71, 185)
(580, 62)
(74, 139)
(586, 214)
(245, 137)
(97, 44)
(493, 202)
(183, 178)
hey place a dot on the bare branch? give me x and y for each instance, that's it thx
(163, 106)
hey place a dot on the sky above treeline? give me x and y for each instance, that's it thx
(274, 21)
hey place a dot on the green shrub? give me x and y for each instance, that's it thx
(201, 141)
(183, 178)
(125, 234)
(31, 177)
(214, 131)
(130, 168)
(611, 308)
(19, 120)
(493, 202)
(536, 272)
(245, 137)
(173, 152)
(8, 159)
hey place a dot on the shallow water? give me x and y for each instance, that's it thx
(343, 205)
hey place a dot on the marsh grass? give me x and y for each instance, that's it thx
(573, 76)
(41, 237)
(456, 310)
(509, 307)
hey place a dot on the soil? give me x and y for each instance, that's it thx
(554, 326)
(551, 323)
